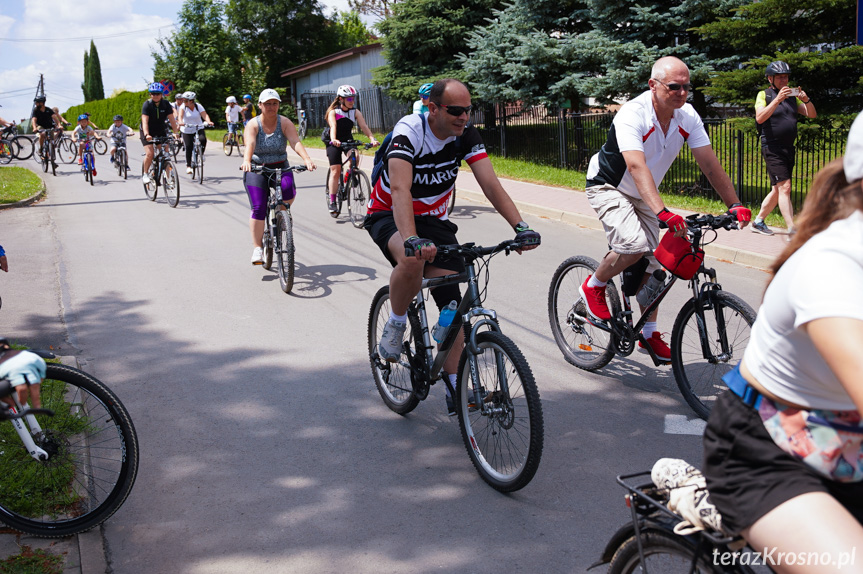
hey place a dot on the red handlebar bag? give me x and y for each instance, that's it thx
(679, 256)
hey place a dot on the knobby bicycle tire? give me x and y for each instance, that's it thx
(583, 345)
(358, 197)
(171, 184)
(700, 381)
(393, 380)
(664, 552)
(228, 144)
(505, 445)
(93, 463)
(285, 249)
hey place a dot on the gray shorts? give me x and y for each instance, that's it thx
(630, 225)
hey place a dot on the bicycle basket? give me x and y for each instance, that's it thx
(679, 256)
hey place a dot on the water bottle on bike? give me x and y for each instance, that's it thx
(444, 321)
(651, 289)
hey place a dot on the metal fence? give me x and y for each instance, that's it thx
(380, 111)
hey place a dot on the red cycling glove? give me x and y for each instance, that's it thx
(672, 220)
(742, 214)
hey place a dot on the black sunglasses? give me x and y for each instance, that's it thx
(676, 87)
(457, 110)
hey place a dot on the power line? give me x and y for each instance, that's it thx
(56, 40)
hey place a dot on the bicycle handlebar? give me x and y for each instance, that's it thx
(258, 168)
(354, 144)
(707, 221)
(471, 251)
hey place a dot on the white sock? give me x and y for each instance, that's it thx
(649, 329)
(759, 220)
(399, 318)
(593, 282)
(452, 379)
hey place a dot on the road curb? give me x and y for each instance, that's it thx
(32, 199)
(730, 254)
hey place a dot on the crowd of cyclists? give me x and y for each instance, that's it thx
(784, 445)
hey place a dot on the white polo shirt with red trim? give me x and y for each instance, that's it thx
(636, 128)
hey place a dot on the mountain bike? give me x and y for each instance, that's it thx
(121, 160)
(497, 402)
(88, 162)
(47, 152)
(197, 164)
(707, 340)
(302, 124)
(279, 226)
(232, 139)
(354, 188)
(649, 545)
(69, 466)
(21, 146)
(163, 172)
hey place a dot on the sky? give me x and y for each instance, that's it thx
(49, 37)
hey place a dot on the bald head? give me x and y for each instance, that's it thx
(667, 65)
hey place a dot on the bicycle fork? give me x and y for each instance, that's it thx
(27, 434)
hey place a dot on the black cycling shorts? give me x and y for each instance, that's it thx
(144, 138)
(334, 154)
(748, 475)
(382, 226)
(779, 161)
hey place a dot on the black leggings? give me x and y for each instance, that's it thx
(189, 141)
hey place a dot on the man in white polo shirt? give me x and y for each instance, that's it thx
(622, 180)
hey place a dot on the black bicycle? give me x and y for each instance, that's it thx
(47, 152)
(649, 545)
(69, 466)
(21, 147)
(121, 160)
(707, 340)
(163, 172)
(197, 164)
(354, 188)
(279, 226)
(233, 139)
(497, 402)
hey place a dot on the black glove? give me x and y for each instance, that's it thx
(526, 236)
(414, 244)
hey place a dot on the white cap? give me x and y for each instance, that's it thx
(269, 94)
(231, 100)
(853, 161)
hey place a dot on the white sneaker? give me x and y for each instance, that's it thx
(390, 346)
(189, 170)
(145, 179)
(257, 256)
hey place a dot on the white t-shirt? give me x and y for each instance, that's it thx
(192, 118)
(118, 133)
(233, 113)
(636, 128)
(824, 278)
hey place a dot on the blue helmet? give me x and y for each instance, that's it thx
(82, 117)
(425, 89)
(247, 96)
(156, 87)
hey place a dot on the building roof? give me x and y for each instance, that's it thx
(321, 62)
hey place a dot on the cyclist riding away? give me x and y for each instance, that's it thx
(622, 180)
(118, 133)
(232, 114)
(408, 207)
(153, 115)
(267, 138)
(421, 106)
(83, 134)
(341, 117)
(193, 116)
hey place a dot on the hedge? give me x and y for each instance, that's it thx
(102, 112)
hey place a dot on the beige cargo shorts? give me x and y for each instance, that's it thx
(630, 225)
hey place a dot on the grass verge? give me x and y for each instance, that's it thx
(31, 561)
(17, 183)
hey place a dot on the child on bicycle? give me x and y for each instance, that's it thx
(84, 134)
(118, 133)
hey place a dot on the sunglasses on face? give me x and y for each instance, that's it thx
(676, 87)
(456, 110)
(349, 99)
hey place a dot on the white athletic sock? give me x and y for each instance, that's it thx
(452, 379)
(759, 220)
(649, 329)
(399, 318)
(594, 283)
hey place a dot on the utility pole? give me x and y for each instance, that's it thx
(40, 91)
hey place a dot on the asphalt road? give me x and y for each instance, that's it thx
(265, 447)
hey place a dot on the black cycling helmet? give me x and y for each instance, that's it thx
(118, 117)
(38, 99)
(776, 68)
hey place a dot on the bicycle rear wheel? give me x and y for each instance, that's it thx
(663, 552)
(505, 442)
(171, 184)
(100, 147)
(93, 460)
(358, 197)
(228, 144)
(393, 380)
(25, 147)
(67, 150)
(582, 344)
(285, 249)
(724, 334)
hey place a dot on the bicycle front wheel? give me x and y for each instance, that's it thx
(582, 344)
(24, 147)
(663, 552)
(358, 198)
(171, 184)
(701, 353)
(240, 144)
(451, 202)
(150, 188)
(267, 241)
(393, 380)
(200, 167)
(228, 144)
(100, 146)
(500, 414)
(285, 249)
(92, 464)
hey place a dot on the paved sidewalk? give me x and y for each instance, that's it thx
(571, 206)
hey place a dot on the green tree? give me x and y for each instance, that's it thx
(202, 55)
(382, 9)
(92, 86)
(422, 40)
(350, 31)
(282, 33)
